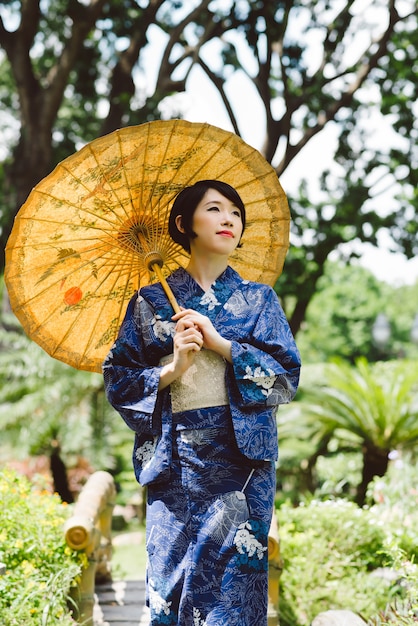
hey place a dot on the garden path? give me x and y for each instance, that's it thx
(121, 603)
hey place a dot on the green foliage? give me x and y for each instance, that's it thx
(40, 567)
(394, 499)
(337, 473)
(333, 554)
(364, 409)
(343, 310)
(375, 405)
(328, 550)
(42, 399)
(401, 612)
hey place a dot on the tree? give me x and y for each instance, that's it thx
(368, 408)
(342, 312)
(78, 71)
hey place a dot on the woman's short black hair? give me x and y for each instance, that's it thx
(185, 205)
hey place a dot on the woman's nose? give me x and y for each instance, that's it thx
(227, 219)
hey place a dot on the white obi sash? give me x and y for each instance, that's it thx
(202, 385)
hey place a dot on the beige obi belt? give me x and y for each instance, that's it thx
(202, 385)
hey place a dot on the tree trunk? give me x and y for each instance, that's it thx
(59, 475)
(31, 163)
(375, 463)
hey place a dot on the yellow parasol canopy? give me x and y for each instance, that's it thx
(95, 230)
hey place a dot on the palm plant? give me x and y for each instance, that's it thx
(47, 406)
(372, 408)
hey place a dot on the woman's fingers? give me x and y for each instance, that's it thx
(189, 338)
(187, 344)
(190, 319)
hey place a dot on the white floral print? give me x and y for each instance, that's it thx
(245, 542)
(145, 453)
(197, 619)
(157, 603)
(261, 378)
(236, 304)
(162, 328)
(209, 299)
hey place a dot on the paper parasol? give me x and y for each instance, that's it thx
(95, 230)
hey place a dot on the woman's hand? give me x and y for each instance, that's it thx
(194, 331)
(212, 340)
(187, 342)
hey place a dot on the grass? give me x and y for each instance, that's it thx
(129, 555)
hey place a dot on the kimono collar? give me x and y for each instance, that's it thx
(190, 294)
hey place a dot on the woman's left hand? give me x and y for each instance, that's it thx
(212, 340)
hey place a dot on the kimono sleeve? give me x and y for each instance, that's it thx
(131, 383)
(266, 365)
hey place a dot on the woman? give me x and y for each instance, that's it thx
(200, 389)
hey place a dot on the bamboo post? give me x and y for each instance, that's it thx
(275, 570)
(89, 529)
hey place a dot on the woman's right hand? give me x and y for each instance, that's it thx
(188, 341)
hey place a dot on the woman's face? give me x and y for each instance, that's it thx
(217, 224)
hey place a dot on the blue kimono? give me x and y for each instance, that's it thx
(209, 469)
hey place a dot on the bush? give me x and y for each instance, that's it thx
(404, 610)
(331, 551)
(394, 501)
(40, 567)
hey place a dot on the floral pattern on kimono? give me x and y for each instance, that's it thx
(263, 375)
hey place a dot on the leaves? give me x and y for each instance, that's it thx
(372, 409)
(42, 399)
(40, 568)
(375, 403)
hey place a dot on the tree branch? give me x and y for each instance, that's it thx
(57, 78)
(121, 81)
(166, 66)
(365, 64)
(219, 84)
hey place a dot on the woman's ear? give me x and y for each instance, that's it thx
(178, 221)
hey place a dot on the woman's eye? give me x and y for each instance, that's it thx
(238, 213)
(213, 208)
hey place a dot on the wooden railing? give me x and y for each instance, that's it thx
(90, 527)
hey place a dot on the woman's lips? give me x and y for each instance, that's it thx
(225, 233)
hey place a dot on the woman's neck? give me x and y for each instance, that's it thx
(206, 271)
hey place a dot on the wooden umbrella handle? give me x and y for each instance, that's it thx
(170, 295)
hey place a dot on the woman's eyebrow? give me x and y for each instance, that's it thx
(213, 202)
(219, 202)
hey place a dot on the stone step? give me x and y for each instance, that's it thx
(121, 603)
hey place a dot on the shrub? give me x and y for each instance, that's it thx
(40, 567)
(394, 501)
(330, 551)
(404, 610)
